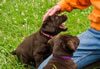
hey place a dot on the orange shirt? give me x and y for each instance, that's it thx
(94, 17)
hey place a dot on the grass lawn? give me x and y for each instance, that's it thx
(21, 18)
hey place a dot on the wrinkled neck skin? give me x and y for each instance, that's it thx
(43, 38)
(45, 34)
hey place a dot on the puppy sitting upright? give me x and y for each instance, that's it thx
(63, 48)
(35, 48)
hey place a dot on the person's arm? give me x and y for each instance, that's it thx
(69, 5)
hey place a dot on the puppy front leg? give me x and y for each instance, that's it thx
(38, 60)
(41, 54)
(25, 61)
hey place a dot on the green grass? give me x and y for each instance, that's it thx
(21, 18)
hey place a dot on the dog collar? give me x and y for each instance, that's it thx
(64, 57)
(47, 35)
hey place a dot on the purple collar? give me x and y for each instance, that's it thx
(47, 35)
(64, 57)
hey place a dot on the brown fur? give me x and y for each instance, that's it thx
(63, 45)
(35, 48)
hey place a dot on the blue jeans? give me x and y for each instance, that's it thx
(88, 50)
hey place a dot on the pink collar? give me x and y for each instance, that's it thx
(64, 57)
(47, 35)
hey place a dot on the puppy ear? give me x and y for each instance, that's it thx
(71, 45)
(51, 42)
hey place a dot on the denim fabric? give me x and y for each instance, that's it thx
(88, 50)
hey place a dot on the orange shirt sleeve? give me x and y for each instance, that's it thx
(69, 5)
(94, 17)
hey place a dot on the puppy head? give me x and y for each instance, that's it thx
(53, 24)
(64, 44)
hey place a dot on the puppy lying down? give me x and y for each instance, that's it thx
(35, 49)
(63, 48)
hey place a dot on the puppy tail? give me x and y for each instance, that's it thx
(13, 52)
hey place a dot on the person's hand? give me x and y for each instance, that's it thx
(52, 11)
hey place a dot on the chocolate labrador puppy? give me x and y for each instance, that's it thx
(35, 49)
(63, 48)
